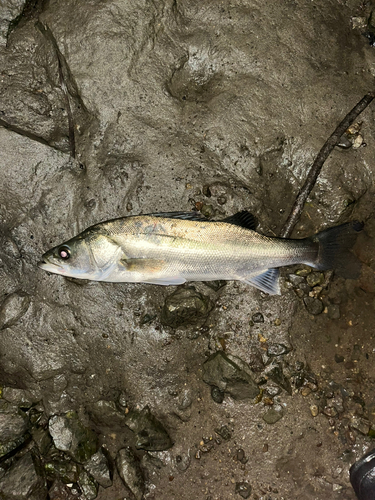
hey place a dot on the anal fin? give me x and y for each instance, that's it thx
(267, 282)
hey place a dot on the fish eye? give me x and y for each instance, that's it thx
(64, 253)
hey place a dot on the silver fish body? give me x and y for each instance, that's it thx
(169, 250)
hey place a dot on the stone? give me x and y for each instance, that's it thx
(105, 413)
(313, 305)
(215, 285)
(224, 432)
(66, 470)
(13, 308)
(361, 424)
(243, 489)
(14, 424)
(70, 435)
(20, 397)
(150, 433)
(314, 410)
(303, 272)
(231, 375)
(183, 462)
(42, 439)
(273, 415)
(315, 278)
(24, 480)
(217, 394)
(9, 11)
(130, 472)
(88, 486)
(275, 372)
(185, 306)
(98, 468)
(278, 349)
(295, 279)
(255, 360)
(59, 491)
(257, 317)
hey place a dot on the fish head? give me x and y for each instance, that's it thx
(90, 255)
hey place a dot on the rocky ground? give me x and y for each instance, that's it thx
(212, 391)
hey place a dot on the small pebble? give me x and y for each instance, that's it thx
(314, 410)
(303, 272)
(243, 489)
(258, 317)
(314, 306)
(315, 278)
(305, 391)
(217, 395)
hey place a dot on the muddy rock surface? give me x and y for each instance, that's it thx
(118, 108)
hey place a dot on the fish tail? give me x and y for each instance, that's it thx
(334, 249)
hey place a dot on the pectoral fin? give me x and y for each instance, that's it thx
(267, 282)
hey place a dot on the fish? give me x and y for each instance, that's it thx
(171, 248)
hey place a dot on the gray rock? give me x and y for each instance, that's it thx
(88, 486)
(9, 11)
(257, 317)
(217, 394)
(275, 372)
(224, 432)
(42, 439)
(243, 489)
(106, 413)
(215, 285)
(13, 308)
(24, 481)
(130, 472)
(150, 433)
(361, 424)
(13, 427)
(70, 435)
(21, 397)
(314, 306)
(295, 279)
(98, 468)
(183, 462)
(185, 306)
(231, 375)
(66, 470)
(278, 349)
(59, 491)
(273, 415)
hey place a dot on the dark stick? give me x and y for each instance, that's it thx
(321, 157)
(61, 65)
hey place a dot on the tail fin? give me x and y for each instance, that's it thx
(334, 249)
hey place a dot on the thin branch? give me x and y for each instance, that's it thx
(316, 167)
(44, 29)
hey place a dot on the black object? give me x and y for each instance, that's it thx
(362, 476)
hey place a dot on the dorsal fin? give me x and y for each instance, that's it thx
(180, 215)
(244, 219)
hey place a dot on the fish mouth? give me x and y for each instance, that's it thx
(49, 266)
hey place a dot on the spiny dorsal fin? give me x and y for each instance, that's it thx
(244, 219)
(180, 215)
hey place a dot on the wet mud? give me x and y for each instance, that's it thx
(218, 391)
